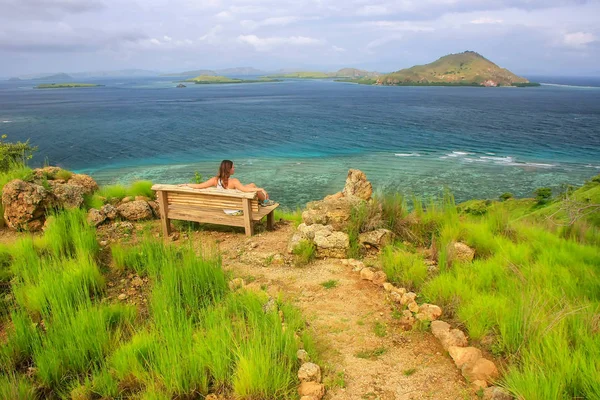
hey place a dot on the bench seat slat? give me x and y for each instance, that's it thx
(176, 210)
(213, 191)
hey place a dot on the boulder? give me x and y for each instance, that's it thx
(429, 312)
(480, 370)
(464, 355)
(25, 205)
(155, 208)
(367, 273)
(47, 173)
(110, 211)
(377, 238)
(311, 389)
(379, 278)
(135, 210)
(408, 298)
(67, 195)
(335, 196)
(309, 372)
(302, 355)
(462, 252)
(329, 212)
(413, 307)
(331, 243)
(96, 217)
(357, 185)
(87, 182)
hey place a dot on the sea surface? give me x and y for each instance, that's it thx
(298, 138)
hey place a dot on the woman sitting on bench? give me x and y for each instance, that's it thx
(223, 181)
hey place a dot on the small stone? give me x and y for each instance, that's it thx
(480, 370)
(367, 273)
(413, 306)
(309, 372)
(174, 236)
(408, 298)
(478, 385)
(137, 282)
(496, 393)
(464, 355)
(103, 243)
(302, 355)
(122, 296)
(407, 319)
(344, 261)
(311, 389)
(388, 287)
(401, 291)
(211, 396)
(379, 278)
(310, 397)
(462, 252)
(429, 312)
(396, 298)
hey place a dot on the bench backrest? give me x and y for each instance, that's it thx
(222, 199)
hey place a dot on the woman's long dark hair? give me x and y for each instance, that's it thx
(225, 172)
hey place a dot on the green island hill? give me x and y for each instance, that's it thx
(462, 69)
(66, 85)
(209, 80)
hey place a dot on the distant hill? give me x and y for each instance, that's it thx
(15, 79)
(240, 71)
(198, 72)
(468, 68)
(115, 74)
(55, 77)
(351, 73)
(210, 79)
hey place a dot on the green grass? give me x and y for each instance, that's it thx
(532, 291)
(304, 252)
(330, 284)
(197, 336)
(115, 193)
(379, 329)
(409, 372)
(287, 215)
(371, 354)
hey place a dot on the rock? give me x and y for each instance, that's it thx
(377, 238)
(309, 372)
(103, 243)
(408, 298)
(401, 291)
(331, 243)
(181, 85)
(174, 236)
(379, 278)
(448, 337)
(302, 355)
(407, 319)
(335, 196)
(429, 312)
(269, 306)
(137, 282)
(478, 385)
(367, 273)
(464, 355)
(110, 211)
(462, 252)
(388, 287)
(25, 205)
(496, 393)
(413, 307)
(87, 182)
(211, 396)
(357, 185)
(135, 210)
(236, 284)
(122, 296)
(46, 173)
(311, 389)
(155, 208)
(396, 297)
(480, 370)
(331, 212)
(67, 195)
(95, 217)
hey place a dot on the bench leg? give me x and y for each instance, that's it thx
(270, 218)
(164, 218)
(248, 223)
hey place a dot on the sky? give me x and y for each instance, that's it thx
(529, 37)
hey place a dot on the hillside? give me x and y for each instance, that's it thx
(468, 68)
(203, 72)
(61, 76)
(352, 73)
(209, 79)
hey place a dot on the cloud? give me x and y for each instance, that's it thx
(579, 40)
(486, 20)
(268, 43)
(408, 26)
(383, 41)
(211, 35)
(338, 49)
(274, 21)
(47, 9)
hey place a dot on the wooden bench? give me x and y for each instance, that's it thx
(207, 205)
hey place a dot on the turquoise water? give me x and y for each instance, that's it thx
(299, 138)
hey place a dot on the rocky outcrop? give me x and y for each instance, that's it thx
(461, 252)
(329, 243)
(25, 205)
(378, 238)
(357, 185)
(335, 212)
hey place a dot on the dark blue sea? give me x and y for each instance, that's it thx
(298, 138)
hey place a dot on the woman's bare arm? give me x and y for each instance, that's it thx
(209, 183)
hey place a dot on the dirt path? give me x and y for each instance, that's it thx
(365, 352)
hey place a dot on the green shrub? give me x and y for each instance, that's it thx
(64, 175)
(506, 196)
(14, 153)
(141, 188)
(543, 195)
(305, 252)
(113, 192)
(403, 268)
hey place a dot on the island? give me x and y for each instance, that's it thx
(54, 77)
(65, 85)
(211, 80)
(462, 69)
(349, 73)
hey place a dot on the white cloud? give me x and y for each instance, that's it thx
(408, 26)
(274, 21)
(268, 43)
(486, 20)
(338, 49)
(579, 39)
(383, 41)
(167, 38)
(211, 35)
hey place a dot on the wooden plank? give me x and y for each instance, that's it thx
(164, 212)
(264, 211)
(248, 223)
(219, 192)
(207, 217)
(270, 218)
